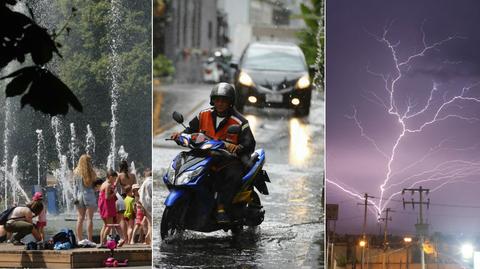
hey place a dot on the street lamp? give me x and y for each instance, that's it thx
(407, 240)
(467, 251)
(362, 243)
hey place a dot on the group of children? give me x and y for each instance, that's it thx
(121, 210)
(119, 207)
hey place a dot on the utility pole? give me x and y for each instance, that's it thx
(421, 227)
(364, 236)
(385, 242)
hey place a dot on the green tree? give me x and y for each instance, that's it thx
(85, 68)
(88, 72)
(313, 38)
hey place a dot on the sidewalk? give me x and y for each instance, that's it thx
(177, 97)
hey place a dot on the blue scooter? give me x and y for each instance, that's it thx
(191, 204)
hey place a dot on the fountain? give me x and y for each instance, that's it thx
(73, 148)
(62, 174)
(6, 136)
(114, 73)
(66, 149)
(40, 150)
(14, 179)
(122, 154)
(90, 142)
(133, 170)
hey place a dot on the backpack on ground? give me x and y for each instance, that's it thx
(65, 235)
(4, 215)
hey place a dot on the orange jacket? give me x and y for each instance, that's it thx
(207, 126)
(204, 122)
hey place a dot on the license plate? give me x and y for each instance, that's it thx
(273, 98)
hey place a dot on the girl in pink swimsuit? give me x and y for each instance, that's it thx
(106, 204)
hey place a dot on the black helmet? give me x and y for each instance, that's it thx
(223, 89)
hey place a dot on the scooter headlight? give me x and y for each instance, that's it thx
(186, 176)
(171, 175)
(206, 146)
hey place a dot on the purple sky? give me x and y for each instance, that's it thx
(446, 151)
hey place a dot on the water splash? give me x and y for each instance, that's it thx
(133, 170)
(62, 173)
(14, 179)
(40, 155)
(6, 139)
(15, 183)
(90, 142)
(73, 147)
(114, 71)
(122, 153)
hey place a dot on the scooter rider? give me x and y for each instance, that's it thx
(214, 122)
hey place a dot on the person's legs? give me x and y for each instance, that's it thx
(148, 235)
(105, 230)
(90, 211)
(135, 229)
(102, 231)
(121, 230)
(227, 181)
(80, 219)
(21, 229)
(130, 224)
(36, 233)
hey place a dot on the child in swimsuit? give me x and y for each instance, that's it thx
(139, 214)
(106, 204)
(129, 214)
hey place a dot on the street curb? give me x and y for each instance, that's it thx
(170, 124)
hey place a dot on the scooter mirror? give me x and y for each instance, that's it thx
(234, 65)
(178, 117)
(234, 129)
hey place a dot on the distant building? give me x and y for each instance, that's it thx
(193, 29)
(252, 20)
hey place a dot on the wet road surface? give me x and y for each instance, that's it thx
(291, 235)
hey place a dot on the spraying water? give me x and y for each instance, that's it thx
(73, 148)
(133, 170)
(6, 139)
(14, 179)
(40, 150)
(62, 173)
(122, 153)
(114, 73)
(90, 141)
(15, 183)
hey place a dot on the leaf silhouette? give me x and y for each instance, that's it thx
(10, 2)
(50, 95)
(12, 26)
(23, 78)
(40, 44)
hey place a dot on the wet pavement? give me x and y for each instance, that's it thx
(291, 235)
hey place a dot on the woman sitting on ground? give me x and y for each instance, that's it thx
(20, 221)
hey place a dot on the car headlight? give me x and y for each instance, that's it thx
(186, 176)
(171, 174)
(245, 79)
(303, 82)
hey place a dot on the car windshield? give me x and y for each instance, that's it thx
(274, 58)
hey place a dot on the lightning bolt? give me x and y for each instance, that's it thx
(413, 120)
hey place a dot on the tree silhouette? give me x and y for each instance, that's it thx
(20, 35)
